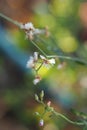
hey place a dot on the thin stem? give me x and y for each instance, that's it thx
(39, 66)
(42, 115)
(68, 120)
(39, 48)
(42, 40)
(10, 20)
(52, 56)
(67, 58)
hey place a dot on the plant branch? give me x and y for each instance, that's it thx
(67, 119)
(10, 20)
(51, 56)
(38, 48)
(68, 58)
(39, 67)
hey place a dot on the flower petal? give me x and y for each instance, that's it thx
(30, 63)
(52, 61)
(35, 56)
(42, 57)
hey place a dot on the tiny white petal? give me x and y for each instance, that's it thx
(42, 57)
(37, 31)
(30, 63)
(52, 61)
(35, 56)
(29, 25)
(35, 81)
(30, 35)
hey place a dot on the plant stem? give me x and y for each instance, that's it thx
(39, 48)
(10, 20)
(68, 58)
(51, 56)
(68, 120)
(39, 67)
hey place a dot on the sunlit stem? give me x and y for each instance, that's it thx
(67, 58)
(10, 20)
(64, 117)
(68, 120)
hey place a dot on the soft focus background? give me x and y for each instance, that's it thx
(66, 87)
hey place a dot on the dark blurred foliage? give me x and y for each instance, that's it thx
(66, 87)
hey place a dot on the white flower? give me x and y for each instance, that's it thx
(47, 62)
(41, 122)
(52, 61)
(35, 56)
(32, 60)
(27, 26)
(31, 31)
(42, 57)
(36, 80)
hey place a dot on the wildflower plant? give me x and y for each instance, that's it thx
(48, 108)
(39, 59)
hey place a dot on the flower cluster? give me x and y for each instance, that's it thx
(47, 62)
(31, 31)
(32, 63)
(47, 107)
(32, 60)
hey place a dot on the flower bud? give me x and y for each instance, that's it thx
(42, 95)
(36, 97)
(41, 122)
(37, 113)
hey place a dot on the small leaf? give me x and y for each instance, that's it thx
(37, 114)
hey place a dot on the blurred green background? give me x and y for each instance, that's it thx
(66, 87)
